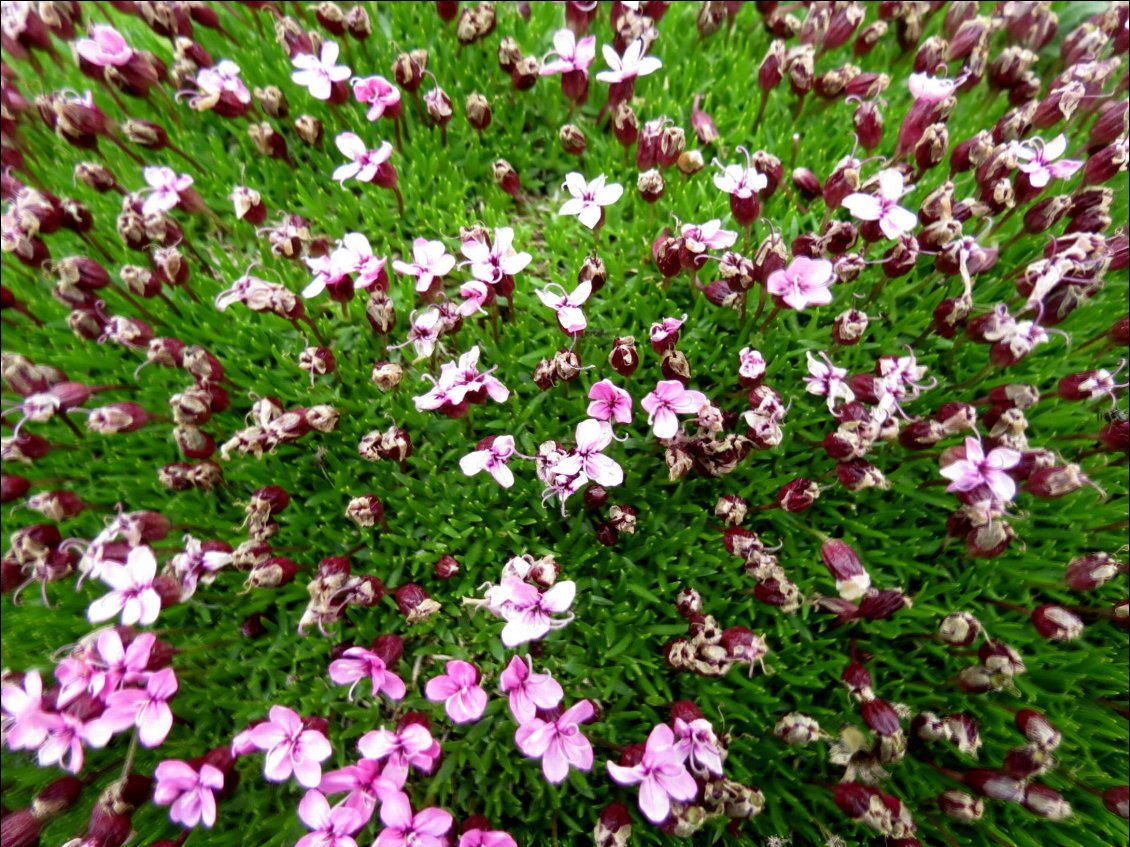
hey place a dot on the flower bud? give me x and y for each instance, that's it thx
(625, 125)
(623, 518)
(478, 112)
(614, 826)
(506, 178)
(650, 185)
(731, 509)
(446, 567)
(961, 806)
(414, 603)
(272, 572)
(408, 70)
(1046, 802)
(1056, 623)
(797, 495)
(624, 358)
(797, 730)
(366, 511)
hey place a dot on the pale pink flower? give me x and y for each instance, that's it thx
(66, 736)
(805, 282)
(290, 748)
(411, 746)
(1038, 160)
(932, 89)
(318, 73)
(363, 162)
(669, 399)
(463, 698)
(568, 306)
(587, 457)
(106, 47)
(166, 188)
(493, 459)
(529, 612)
(148, 710)
(589, 198)
(826, 380)
(424, 332)
(740, 182)
(572, 55)
(529, 691)
(191, 793)
(354, 256)
(490, 263)
(486, 838)
(666, 332)
(629, 66)
(661, 776)
(559, 742)
(610, 402)
(978, 469)
(357, 663)
(475, 294)
(893, 219)
(708, 236)
(697, 745)
(220, 81)
(24, 724)
(427, 828)
(751, 364)
(328, 827)
(430, 262)
(382, 96)
(134, 596)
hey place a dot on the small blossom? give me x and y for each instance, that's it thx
(367, 782)
(490, 263)
(356, 663)
(751, 364)
(1038, 161)
(166, 189)
(411, 746)
(931, 89)
(328, 827)
(587, 457)
(558, 743)
(363, 163)
(669, 399)
(697, 744)
(493, 459)
(24, 722)
(133, 597)
(529, 612)
(104, 48)
(568, 306)
(463, 698)
(572, 55)
(529, 691)
(805, 282)
(382, 96)
(631, 65)
(430, 262)
(486, 838)
(319, 73)
(609, 403)
(740, 182)
(148, 710)
(660, 775)
(826, 380)
(893, 219)
(66, 736)
(190, 793)
(427, 828)
(708, 236)
(290, 748)
(978, 469)
(589, 198)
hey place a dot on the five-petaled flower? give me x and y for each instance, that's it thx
(529, 691)
(165, 189)
(529, 612)
(106, 47)
(669, 399)
(357, 663)
(587, 457)
(589, 198)
(491, 262)
(492, 458)
(290, 748)
(191, 793)
(24, 722)
(463, 698)
(629, 66)
(427, 828)
(430, 261)
(558, 742)
(893, 219)
(364, 163)
(572, 55)
(978, 469)
(805, 282)
(610, 403)
(1038, 160)
(410, 746)
(319, 73)
(661, 775)
(568, 306)
(134, 596)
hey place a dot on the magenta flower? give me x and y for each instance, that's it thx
(610, 402)
(669, 399)
(631, 65)
(529, 691)
(661, 776)
(475, 294)
(104, 48)
(587, 457)
(977, 469)
(665, 333)
(165, 187)
(893, 219)
(490, 263)
(708, 236)
(191, 793)
(24, 724)
(411, 746)
(328, 827)
(148, 710)
(290, 748)
(572, 55)
(826, 380)
(427, 828)
(66, 736)
(367, 783)
(696, 744)
(589, 198)
(382, 96)
(568, 306)
(363, 163)
(134, 596)
(464, 699)
(319, 73)
(805, 282)
(492, 459)
(558, 743)
(1038, 160)
(356, 663)
(486, 838)
(430, 262)
(529, 612)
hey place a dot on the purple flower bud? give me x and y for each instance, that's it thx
(506, 178)
(880, 717)
(995, 785)
(624, 358)
(1117, 800)
(446, 567)
(797, 495)
(408, 70)
(650, 185)
(415, 603)
(960, 806)
(702, 124)
(614, 826)
(959, 629)
(366, 511)
(1056, 623)
(1046, 802)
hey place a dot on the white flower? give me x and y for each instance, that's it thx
(589, 198)
(319, 73)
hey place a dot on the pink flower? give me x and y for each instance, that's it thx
(133, 596)
(1037, 159)
(932, 89)
(367, 783)
(708, 236)
(740, 182)
(24, 723)
(661, 776)
(668, 400)
(319, 73)
(424, 332)
(382, 96)
(805, 282)
(529, 612)
(192, 793)
(218, 84)
(490, 263)
(403, 829)
(893, 219)
(355, 257)
(751, 364)
(148, 710)
(589, 198)
(529, 691)
(977, 469)
(666, 332)
(486, 838)
(411, 746)
(356, 663)
(572, 55)
(363, 163)
(464, 699)
(166, 189)
(826, 380)
(568, 306)
(105, 48)
(610, 402)
(475, 294)
(629, 66)
(431, 261)
(587, 457)
(66, 735)
(696, 743)
(328, 827)
(558, 743)
(290, 748)
(492, 459)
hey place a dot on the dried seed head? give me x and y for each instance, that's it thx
(309, 129)
(623, 518)
(731, 509)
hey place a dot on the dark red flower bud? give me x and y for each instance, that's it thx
(13, 488)
(880, 717)
(995, 785)
(506, 178)
(854, 799)
(624, 357)
(797, 495)
(1117, 800)
(881, 605)
(961, 806)
(415, 603)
